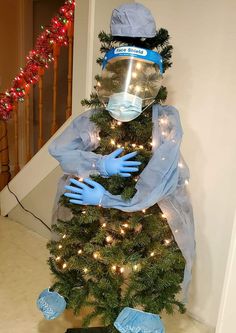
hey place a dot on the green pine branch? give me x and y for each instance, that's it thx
(108, 259)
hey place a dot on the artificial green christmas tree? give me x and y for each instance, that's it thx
(109, 259)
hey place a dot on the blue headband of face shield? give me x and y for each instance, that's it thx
(134, 52)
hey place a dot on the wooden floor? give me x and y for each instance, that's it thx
(24, 274)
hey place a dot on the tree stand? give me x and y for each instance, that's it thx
(88, 330)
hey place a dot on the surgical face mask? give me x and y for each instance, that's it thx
(124, 107)
(130, 81)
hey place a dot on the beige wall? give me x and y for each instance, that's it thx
(80, 55)
(202, 85)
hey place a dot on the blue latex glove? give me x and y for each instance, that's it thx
(51, 304)
(133, 321)
(86, 195)
(113, 165)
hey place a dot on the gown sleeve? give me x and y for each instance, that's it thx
(73, 148)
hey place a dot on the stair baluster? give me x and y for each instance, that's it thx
(70, 69)
(40, 138)
(27, 128)
(56, 51)
(16, 141)
(5, 174)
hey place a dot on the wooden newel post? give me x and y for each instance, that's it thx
(56, 52)
(5, 174)
(70, 70)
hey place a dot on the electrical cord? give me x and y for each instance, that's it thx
(27, 209)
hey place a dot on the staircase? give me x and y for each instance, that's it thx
(29, 176)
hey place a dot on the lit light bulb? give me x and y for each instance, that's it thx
(118, 146)
(58, 258)
(134, 75)
(109, 239)
(113, 142)
(134, 145)
(122, 269)
(80, 252)
(141, 146)
(164, 121)
(104, 225)
(99, 139)
(113, 268)
(119, 123)
(138, 66)
(122, 232)
(96, 255)
(163, 216)
(64, 236)
(138, 88)
(152, 254)
(99, 84)
(83, 211)
(64, 266)
(59, 246)
(167, 241)
(135, 267)
(144, 210)
(125, 225)
(81, 179)
(85, 270)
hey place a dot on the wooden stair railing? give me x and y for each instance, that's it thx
(9, 131)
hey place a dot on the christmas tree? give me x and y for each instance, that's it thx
(106, 258)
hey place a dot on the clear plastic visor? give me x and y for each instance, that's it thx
(131, 75)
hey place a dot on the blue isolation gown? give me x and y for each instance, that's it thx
(164, 180)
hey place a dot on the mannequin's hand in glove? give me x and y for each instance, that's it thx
(113, 165)
(83, 194)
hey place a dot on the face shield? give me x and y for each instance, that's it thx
(130, 81)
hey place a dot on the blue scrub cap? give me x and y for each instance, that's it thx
(133, 20)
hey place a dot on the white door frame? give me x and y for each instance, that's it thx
(227, 313)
